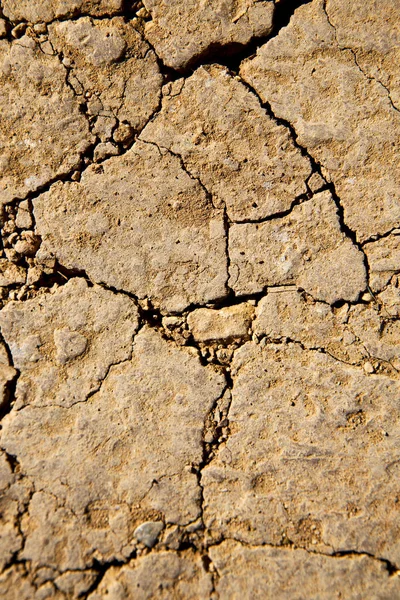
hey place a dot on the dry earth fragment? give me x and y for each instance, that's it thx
(353, 334)
(225, 138)
(39, 11)
(229, 323)
(344, 118)
(164, 575)
(109, 61)
(42, 133)
(138, 223)
(140, 434)
(289, 315)
(378, 327)
(384, 260)
(312, 457)
(183, 30)
(307, 247)
(65, 342)
(295, 574)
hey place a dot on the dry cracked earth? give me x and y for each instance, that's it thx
(200, 299)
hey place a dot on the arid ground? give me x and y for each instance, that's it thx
(200, 299)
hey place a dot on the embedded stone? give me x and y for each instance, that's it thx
(147, 533)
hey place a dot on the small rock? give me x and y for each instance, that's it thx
(40, 28)
(369, 368)
(123, 134)
(171, 322)
(34, 275)
(147, 533)
(103, 150)
(224, 324)
(172, 538)
(76, 176)
(28, 244)
(143, 13)
(24, 219)
(315, 182)
(19, 30)
(3, 28)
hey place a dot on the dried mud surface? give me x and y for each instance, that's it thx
(200, 299)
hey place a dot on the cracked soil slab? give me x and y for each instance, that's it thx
(139, 224)
(308, 462)
(199, 300)
(109, 62)
(245, 160)
(126, 434)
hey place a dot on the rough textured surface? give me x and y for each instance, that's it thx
(164, 575)
(65, 343)
(140, 458)
(384, 260)
(313, 82)
(49, 134)
(285, 314)
(183, 31)
(309, 462)
(199, 300)
(37, 11)
(225, 324)
(372, 31)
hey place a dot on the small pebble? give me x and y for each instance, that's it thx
(147, 533)
(369, 368)
(3, 28)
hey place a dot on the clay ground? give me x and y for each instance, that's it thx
(200, 299)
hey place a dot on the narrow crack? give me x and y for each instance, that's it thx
(8, 398)
(376, 238)
(354, 54)
(390, 567)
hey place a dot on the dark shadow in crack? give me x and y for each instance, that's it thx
(233, 53)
